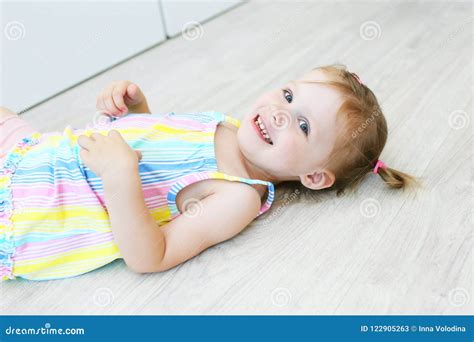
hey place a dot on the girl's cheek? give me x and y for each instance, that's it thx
(288, 151)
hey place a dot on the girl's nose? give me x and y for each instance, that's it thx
(281, 118)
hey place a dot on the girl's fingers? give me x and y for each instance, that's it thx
(113, 133)
(115, 98)
(110, 105)
(84, 154)
(131, 93)
(117, 95)
(84, 141)
(96, 136)
(103, 95)
(132, 90)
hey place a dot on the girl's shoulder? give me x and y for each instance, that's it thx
(223, 188)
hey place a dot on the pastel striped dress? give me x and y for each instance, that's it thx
(53, 219)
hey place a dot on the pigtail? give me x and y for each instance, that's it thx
(398, 180)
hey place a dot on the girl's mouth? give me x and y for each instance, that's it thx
(261, 129)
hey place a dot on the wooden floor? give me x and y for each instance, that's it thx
(373, 252)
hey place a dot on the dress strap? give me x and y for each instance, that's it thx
(192, 178)
(228, 118)
(270, 187)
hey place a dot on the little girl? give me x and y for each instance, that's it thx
(158, 189)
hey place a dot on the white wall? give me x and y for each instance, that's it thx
(48, 46)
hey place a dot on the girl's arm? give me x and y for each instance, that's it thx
(135, 230)
(146, 247)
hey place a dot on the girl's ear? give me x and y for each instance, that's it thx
(318, 180)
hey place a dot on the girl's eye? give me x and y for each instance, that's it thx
(288, 95)
(304, 126)
(302, 123)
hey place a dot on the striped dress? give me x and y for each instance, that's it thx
(53, 219)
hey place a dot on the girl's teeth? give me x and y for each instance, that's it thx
(263, 130)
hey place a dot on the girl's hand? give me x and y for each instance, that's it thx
(119, 97)
(108, 156)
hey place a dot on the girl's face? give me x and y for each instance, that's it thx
(300, 122)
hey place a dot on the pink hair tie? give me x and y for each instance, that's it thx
(356, 77)
(380, 164)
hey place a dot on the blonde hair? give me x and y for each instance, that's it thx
(363, 137)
